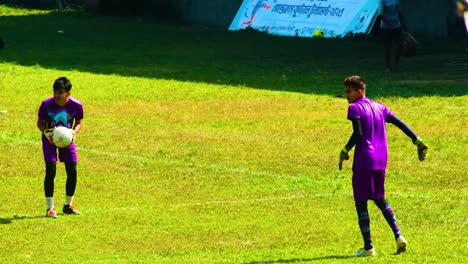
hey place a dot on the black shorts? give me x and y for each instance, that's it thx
(391, 36)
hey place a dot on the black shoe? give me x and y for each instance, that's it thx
(70, 209)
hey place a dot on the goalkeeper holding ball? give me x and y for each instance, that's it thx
(60, 110)
(370, 158)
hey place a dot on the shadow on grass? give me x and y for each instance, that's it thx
(140, 48)
(9, 220)
(293, 260)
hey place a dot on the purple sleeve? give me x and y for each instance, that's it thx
(353, 113)
(387, 113)
(42, 114)
(78, 109)
(79, 113)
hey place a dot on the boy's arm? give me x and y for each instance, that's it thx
(422, 148)
(403, 127)
(41, 125)
(353, 140)
(78, 125)
(356, 136)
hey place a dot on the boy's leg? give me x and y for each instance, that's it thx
(49, 188)
(379, 199)
(363, 190)
(70, 186)
(50, 158)
(389, 216)
(70, 157)
(387, 42)
(398, 34)
(388, 64)
(364, 223)
(51, 169)
(387, 212)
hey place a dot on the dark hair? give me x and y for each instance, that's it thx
(62, 83)
(356, 82)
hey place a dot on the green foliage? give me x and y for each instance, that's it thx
(206, 146)
(46, 4)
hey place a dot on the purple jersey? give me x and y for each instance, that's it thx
(56, 115)
(371, 150)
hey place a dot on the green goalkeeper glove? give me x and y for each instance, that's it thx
(343, 156)
(48, 134)
(422, 148)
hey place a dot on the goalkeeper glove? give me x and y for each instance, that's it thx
(343, 156)
(422, 148)
(48, 134)
(74, 134)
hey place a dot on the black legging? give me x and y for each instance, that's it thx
(51, 170)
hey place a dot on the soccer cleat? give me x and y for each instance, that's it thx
(51, 213)
(364, 253)
(401, 245)
(70, 209)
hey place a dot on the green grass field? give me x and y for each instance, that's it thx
(207, 146)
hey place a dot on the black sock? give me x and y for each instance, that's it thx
(70, 186)
(364, 224)
(50, 172)
(389, 216)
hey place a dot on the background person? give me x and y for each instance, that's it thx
(391, 28)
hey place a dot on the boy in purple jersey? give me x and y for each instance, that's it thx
(60, 110)
(370, 158)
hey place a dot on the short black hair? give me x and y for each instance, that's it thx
(62, 83)
(356, 82)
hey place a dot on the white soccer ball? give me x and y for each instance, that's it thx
(62, 137)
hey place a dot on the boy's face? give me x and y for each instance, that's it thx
(353, 95)
(61, 97)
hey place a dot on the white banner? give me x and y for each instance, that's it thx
(303, 17)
